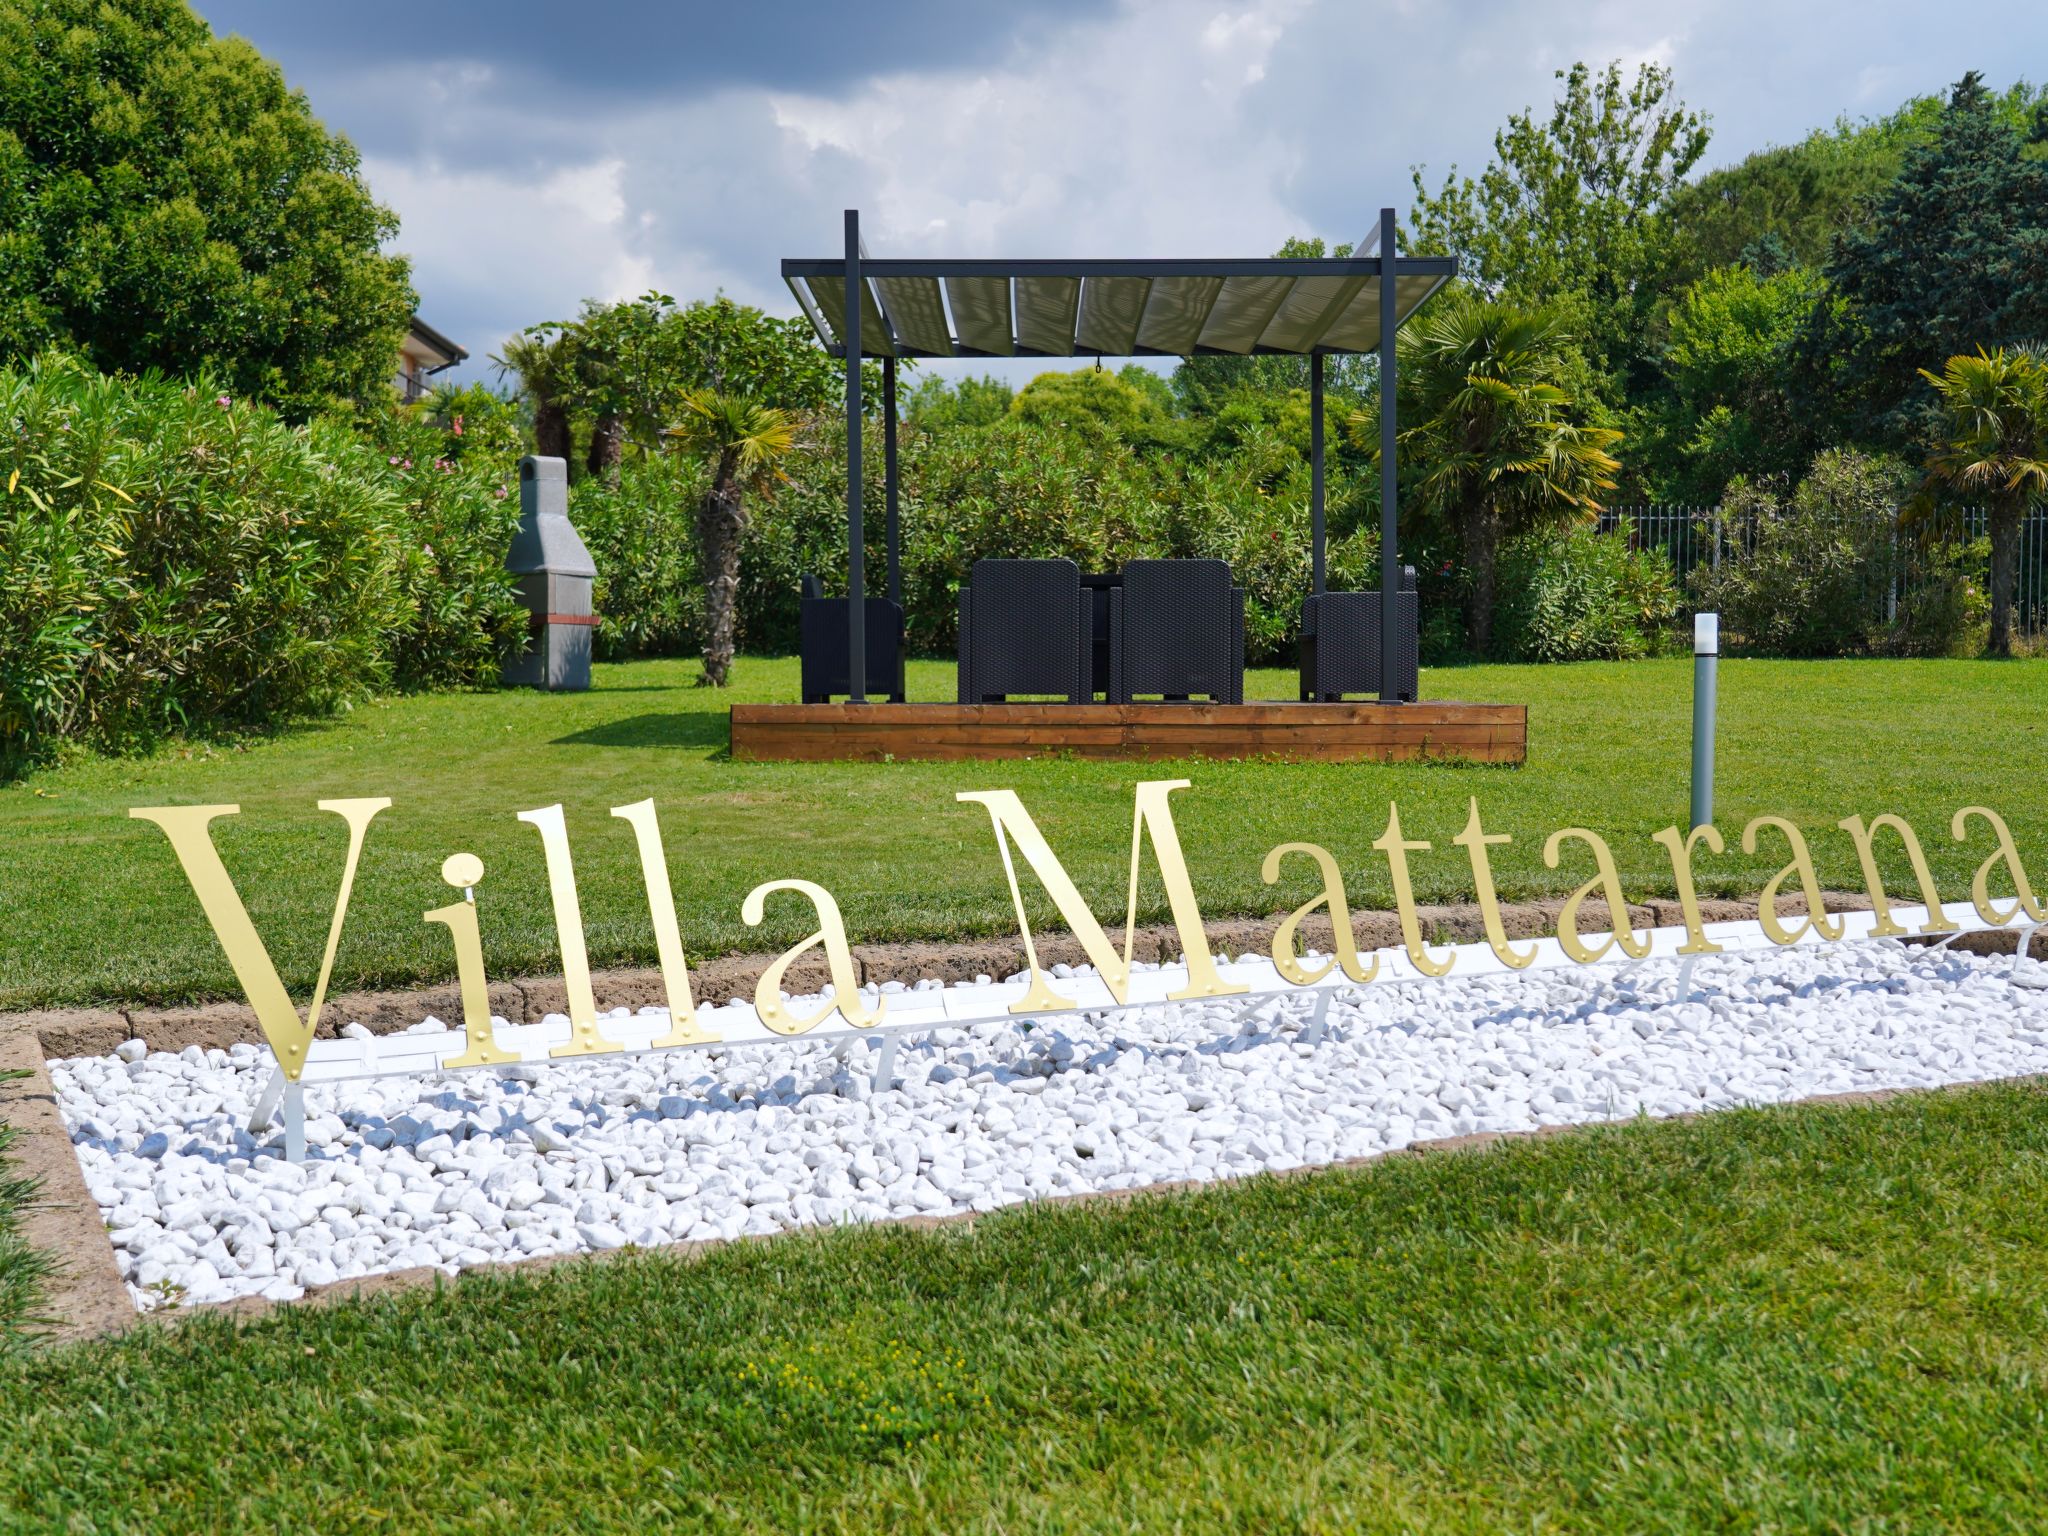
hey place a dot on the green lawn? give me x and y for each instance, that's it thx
(1828, 1318)
(96, 909)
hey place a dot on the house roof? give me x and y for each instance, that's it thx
(433, 341)
(1112, 307)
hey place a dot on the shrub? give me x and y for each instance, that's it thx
(457, 512)
(1582, 595)
(641, 534)
(1809, 575)
(172, 558)
(1016, 489)
(175, 559)
(1944, 602)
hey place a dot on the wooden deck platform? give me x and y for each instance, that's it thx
(821, 733)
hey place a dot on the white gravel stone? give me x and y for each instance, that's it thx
(460, 1169)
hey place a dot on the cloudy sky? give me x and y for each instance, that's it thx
(539, 153)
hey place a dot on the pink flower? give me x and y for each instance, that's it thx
(499, 493)
(458, 426)
(406, 465)
(392, 460)
(222, 401)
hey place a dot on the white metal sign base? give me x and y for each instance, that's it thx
(959, 1007)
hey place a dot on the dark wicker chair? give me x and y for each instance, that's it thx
(1181, 632)
(821, 640)
(1340, 643)
(1024, 628)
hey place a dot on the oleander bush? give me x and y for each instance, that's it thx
(174, 559)
(641, 534)
(1583, 595)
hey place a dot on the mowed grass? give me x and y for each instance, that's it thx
(94, 909)
(1825, 1318)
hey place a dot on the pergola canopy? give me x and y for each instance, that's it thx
(1309, 307)
(1103, 308)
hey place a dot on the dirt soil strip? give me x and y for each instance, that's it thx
(88, 1297)
(85, 1295)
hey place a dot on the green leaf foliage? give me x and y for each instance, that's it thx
(1569, 213)
(1824, 571)
(1722, 410)
(166, 201)
(1582, 595)
(1953, 256)
(175, 559)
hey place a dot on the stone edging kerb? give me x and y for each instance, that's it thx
(96, 1031)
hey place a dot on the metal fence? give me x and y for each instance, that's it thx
(1694, 536)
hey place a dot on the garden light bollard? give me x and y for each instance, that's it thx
(553, 573)
(1706, 652)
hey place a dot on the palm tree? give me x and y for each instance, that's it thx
(1497, 441)
(1994, 444)
(747, 443)
(547, 367)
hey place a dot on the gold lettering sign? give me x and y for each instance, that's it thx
(465, 871)
(1285, 960)
(189, 830)
(1817, 919)
(1152, 815)
(1475, 840)
(1937, 919)
(1607, 881)
(1680, 849)
(584, 1040)
(831, 932)
(668, 939)
(1980, 891)
(1397, 849)
(189, 827)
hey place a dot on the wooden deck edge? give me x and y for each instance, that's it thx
(1435, 730)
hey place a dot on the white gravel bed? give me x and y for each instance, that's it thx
(470, 1168)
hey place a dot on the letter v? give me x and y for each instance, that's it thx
(189, 829)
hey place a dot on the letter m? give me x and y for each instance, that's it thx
(1153, 816)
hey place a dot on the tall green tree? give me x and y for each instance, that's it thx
(1722, 410)
(1088, 399)
(1954, 256)
(1499, 446)
(167, 202)
(1572, 213)
(641, 357)
(1798, 196)
(1993, 444)
(745, 443)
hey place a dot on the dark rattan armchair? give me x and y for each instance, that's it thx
(1024, 629)
(821, 639)
(1340, 643)
(1181, 632)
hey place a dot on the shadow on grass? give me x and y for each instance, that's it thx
(666, 730)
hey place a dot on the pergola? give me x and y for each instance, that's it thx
(865, 307)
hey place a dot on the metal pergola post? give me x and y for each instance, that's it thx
(1390, 537)
(856, 573)
(889, 479)
(1315, 470)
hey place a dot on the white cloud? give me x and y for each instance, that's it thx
(493, 252)
(1167, 127)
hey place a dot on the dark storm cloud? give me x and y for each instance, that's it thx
(616, 53)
